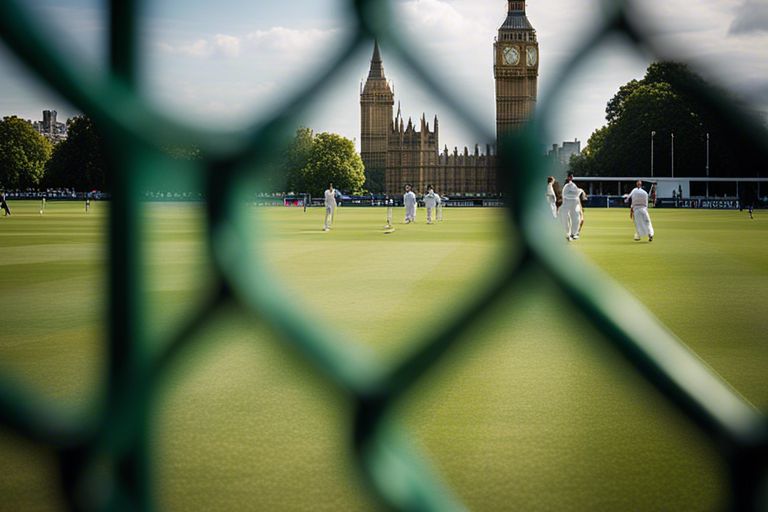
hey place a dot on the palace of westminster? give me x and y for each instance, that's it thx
(396, 153)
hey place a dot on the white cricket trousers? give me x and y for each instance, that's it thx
(552, 205)
(643, 224)
(328, 217)
(410, 213)
(570, 217)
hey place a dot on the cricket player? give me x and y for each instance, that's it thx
(330, 207)
(390, 203)
(4, 205)
(569, 211)
(551, 196)
(431, 200)
(638, 202)
(409, 201)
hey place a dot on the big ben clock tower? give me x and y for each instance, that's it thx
(376, 101)
(516, 69)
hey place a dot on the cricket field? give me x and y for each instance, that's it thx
(533, 411)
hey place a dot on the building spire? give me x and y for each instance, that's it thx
(377, 68)
(516, 6)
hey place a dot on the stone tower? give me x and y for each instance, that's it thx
(516, 69)
(376, 104)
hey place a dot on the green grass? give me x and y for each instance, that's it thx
(533, 412)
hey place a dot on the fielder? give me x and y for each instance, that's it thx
(569, 211)
(409, 201)
(330, 207)
(551, 196)
(638, 202)
(431, 200)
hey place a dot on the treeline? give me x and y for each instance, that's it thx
(662, 105)
(29, 160)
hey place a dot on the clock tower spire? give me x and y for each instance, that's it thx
(516, 69)
(376, 103)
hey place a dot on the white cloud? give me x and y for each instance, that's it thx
(200, 48)
(447, 18)
(289, 41)
(228, 46)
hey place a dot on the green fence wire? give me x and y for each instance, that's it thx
(111, 450)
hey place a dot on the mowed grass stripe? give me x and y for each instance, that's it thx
(704, 276)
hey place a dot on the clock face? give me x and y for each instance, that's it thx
(531, 56)
(511, 55)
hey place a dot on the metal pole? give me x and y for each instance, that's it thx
(707, 165)
(673, 155)
(653, 134)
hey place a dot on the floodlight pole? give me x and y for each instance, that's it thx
(653, 134)
(673, 155)
(707, 165)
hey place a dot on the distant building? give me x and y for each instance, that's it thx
(396, 152)
(50, 127)
(563, 154)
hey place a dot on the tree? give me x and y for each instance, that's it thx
(314, 161)
(334, 160)
(79, 161)
(296, 158)
(23, 154)
(616, 104)
(665, 102)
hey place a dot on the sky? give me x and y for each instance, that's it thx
(226, 64)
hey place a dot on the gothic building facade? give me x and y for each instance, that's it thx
(396, 152)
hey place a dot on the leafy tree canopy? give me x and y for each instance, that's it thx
(23, 154)
(314, 161)
(79, 161)
(663, 107)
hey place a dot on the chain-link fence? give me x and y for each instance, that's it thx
(113, 447)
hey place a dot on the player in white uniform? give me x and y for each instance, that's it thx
(431, 200)
(569, 211)
(330, 207)
(409, 201)
(638, 202)
(551, 196)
